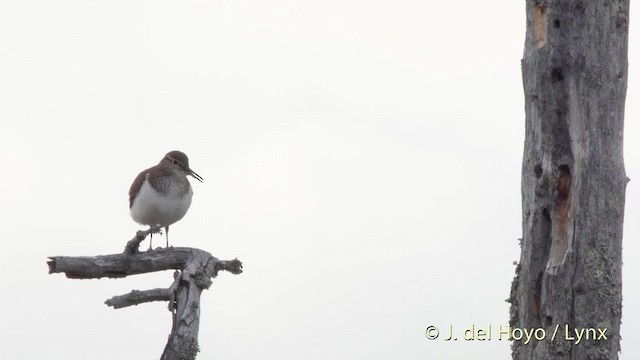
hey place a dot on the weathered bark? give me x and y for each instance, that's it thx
(573, 180)
(194, 270)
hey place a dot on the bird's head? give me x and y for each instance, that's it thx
(178, 161)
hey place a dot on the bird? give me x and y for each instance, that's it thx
(161, 195)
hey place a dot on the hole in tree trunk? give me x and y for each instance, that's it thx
(563, 186)
(537, 169)
(556, 74)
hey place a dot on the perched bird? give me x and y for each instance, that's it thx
(161, 195)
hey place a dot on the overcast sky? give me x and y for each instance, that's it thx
(362, 158)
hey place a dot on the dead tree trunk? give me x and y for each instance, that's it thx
(194, 270)
(573, 180)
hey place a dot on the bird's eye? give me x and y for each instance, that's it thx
(175, 162)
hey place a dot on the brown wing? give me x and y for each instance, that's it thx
(135, 187)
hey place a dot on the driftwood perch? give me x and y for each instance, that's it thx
(194, 270)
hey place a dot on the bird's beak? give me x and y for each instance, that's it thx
(196, 176)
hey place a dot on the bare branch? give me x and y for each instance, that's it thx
(122, 265)
(194, 270)
(136, 297)
(233, 266)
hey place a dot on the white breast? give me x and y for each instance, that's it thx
(152, 208)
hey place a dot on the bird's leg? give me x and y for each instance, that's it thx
(166, 228)
(153, 229)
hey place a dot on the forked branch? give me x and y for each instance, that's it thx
(194, 270)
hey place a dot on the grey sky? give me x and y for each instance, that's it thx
(362, 158)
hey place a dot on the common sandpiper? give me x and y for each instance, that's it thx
(161, 195)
